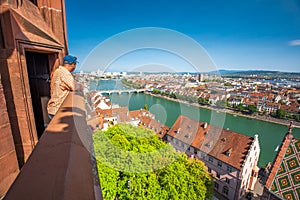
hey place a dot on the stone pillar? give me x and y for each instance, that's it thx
(8, 159)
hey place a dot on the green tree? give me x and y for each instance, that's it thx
(133, 163)
(221, 103)
(146, 107)
(130, 84)
(297, 117)
(252, 109)
(281, 102)
(156, 91)
(240, 107)
(172, 95)
(280, 113)
(265, 112)
(202, 101)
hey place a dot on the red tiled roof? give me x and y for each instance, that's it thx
(213, 140)
(290, 108)
(154, 125)
(122, 114)
(188, 131)
(273, 104)
(139, 113)
(257, 94)
(238, 144)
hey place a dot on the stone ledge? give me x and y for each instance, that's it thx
(60, 166)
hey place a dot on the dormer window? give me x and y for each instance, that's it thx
(228, 152)
(209, 144)
(178, 130)
(187, 136)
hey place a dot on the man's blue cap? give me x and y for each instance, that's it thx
(70, 59)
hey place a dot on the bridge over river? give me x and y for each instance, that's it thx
(122, 91)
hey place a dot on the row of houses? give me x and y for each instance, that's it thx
(267, 97)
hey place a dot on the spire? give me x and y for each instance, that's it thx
(289, 133)
(291, 127)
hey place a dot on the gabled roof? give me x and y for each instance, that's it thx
(212, 140)
(284, 178)
(188, 131)
(236, 144)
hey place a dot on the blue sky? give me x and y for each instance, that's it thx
(247, 34)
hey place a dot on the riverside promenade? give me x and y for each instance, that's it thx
(266, 118)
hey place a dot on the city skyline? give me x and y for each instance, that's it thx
(252, 35)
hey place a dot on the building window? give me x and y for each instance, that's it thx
(219, 164)
(229, 169)
(216, 185)
(209, 170)
(227, 180)
(195, 151)
(225, 190)
(218, 175)
(210, 159)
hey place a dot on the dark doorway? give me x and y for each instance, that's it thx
(38, 74)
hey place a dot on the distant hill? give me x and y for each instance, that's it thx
(257, 73)
(223, 72)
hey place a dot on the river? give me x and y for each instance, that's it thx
(166, 111)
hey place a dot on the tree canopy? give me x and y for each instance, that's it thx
(280, 113)
(133, 163)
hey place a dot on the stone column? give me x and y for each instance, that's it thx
(8, 158)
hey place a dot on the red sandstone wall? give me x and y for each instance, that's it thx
(54, 15)
(8, 159)
(17, 126)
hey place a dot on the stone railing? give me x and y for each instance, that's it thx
(61, 166)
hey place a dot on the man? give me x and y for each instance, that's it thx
(62, 83)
